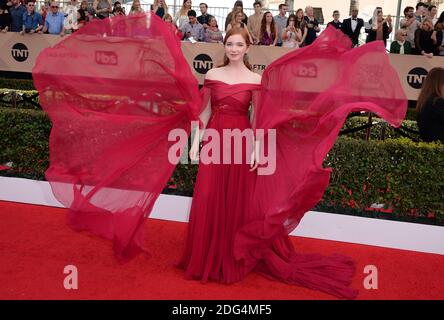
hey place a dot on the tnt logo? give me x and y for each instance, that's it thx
(202, 63)
(20, 52)
(106, 57)
(416, 76)
(307, 70)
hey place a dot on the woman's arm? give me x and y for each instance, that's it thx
(299, 35)
(255, 155)
(198, 136)
(275, 40)
(249, 35)
(433, 37)
(304, 34)
(417, 40)
(204, 117)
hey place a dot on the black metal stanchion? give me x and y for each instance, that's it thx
(369, 122)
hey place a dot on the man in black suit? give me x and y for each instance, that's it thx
(352, 27)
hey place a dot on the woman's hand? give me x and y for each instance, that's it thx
(254, 159)
(433, 37)
(194, 152)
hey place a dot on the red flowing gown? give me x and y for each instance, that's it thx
(117, 88)
(222, 191)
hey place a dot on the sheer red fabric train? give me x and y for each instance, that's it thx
(114, 90)
(240, 221)
(112, 113)
(306, 96)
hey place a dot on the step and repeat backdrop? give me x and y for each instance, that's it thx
(19, 52)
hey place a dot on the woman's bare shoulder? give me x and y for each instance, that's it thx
(213, 74)
(220, 75)
(255, 78)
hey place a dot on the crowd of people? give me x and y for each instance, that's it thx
(421, 31)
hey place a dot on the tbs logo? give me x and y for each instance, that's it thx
(106, 58)
(307, 70)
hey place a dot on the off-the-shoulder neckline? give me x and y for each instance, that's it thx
(234, 84)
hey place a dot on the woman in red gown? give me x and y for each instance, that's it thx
(222, 191)
(111, 141)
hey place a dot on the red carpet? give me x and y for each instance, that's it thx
(36, 245)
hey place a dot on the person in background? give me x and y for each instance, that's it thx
(55, 21)
(441, 48)
(401, 45)
(300, 24)
(212, 33)
(70, 12)
(440, 22)
(238, 5)
(32, 20)
(82, 14)
(312, 25)
(103, 8)
(439, 27)
(280, 22)
(352, 26)
(16, 12)
(421, 11)
(269, 31)
(181, 17)
(237, 22)
(433, 14)
(430, 107)
(5, 18)
(204, 17)
(193, 28)
(380, 28)
(335, 22)
(427, 40)
(44, 10)
(169, 20)
(410, 24)
(254, 22)
(291, 35)
(136, 8)
(118, 10)
(160, 8)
